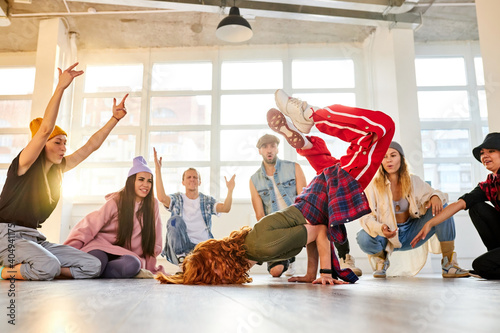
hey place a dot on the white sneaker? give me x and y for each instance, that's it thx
(349, 262)
(294, 108)
(382, 266)
(450, 269)
(291, 269)
(280, 124)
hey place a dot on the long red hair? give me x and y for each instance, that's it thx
(215, 261)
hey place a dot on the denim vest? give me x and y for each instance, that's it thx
(284, 177)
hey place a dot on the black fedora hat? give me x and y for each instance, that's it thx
(491, 141)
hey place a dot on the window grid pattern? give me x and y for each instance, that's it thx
(451, 130)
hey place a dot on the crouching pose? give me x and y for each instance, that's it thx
(401, 204)
(316, 219)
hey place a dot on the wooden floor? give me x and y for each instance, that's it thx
(426, 303)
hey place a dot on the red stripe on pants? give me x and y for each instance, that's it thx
(369, 133)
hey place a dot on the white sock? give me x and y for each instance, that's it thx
(307, 143)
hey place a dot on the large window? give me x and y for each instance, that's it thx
(16, 89)
(453, 115)
(205, 111)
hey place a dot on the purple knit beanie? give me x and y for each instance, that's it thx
(140, 165)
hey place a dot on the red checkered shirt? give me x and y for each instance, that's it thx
(334, 198)
(490, 189)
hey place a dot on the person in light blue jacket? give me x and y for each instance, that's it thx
(191, 219)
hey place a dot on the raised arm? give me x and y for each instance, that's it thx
(160, 190)
(445, 214)
(29, 155)
(96, 140)
(226, 206)
(257, 204)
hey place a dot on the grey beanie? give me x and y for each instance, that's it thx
(397, 146)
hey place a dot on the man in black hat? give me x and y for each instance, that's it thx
(485, 216)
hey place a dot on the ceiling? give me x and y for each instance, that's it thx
(186, 23)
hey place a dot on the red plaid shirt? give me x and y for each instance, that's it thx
(333, 198)
(490, 189)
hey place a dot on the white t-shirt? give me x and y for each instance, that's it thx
(281, 202)
(196, 227)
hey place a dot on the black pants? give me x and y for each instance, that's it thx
(486, 219)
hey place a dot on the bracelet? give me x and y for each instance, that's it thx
(325, 271)
(116, 118)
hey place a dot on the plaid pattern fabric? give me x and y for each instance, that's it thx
(333, 198)
(490, 188)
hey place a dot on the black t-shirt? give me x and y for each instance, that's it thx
(25, 199)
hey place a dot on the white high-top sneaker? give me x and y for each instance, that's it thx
(294, 108)
(349, 262)
(450, 269)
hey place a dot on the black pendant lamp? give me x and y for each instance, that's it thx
(234, 28)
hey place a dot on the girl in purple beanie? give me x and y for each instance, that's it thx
(125, 233)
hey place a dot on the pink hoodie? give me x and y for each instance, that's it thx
(98, 230)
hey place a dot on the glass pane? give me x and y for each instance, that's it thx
(246, 109)
(240, 145)
(15, 113)
(11, 145)
(483, 107)
(327, 99)
(323, 74)
(449, 178)
(113, 78)
(116, 148)
(440, 72)
(17, 81)
(183, 110)
(182, 146)
(445, 143)
(443, 105)
(97, 111)
(478, 66)
(251, 75)
(182, 76)
(243, 174)
(172, 178)
(99, 181)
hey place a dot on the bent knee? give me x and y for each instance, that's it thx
(45, 270)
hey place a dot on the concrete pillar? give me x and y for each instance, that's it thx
(489, 30)
(390, 58)
(53, 51)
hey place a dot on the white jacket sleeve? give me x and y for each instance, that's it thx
(369, 222)
(423, 192)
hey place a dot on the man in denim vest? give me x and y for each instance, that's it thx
(274, 187)
(191, 219)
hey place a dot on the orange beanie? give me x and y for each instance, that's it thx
(35, 126)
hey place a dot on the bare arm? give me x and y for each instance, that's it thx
(445, 214)
(257, 204)
(312, 265)
(160, 190)
(226, 206)
(300, 178)
(29, 155)
(96, 140)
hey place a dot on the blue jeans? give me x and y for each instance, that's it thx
(177, 241)
(445, 231)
